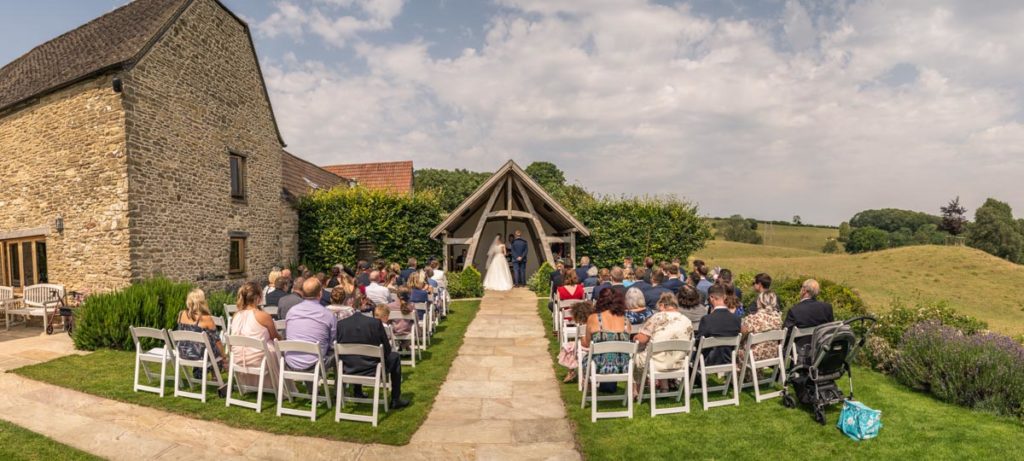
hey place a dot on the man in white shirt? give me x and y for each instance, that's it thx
(376, 292)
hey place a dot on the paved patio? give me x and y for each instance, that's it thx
(500, 401)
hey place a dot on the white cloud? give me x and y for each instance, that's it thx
(334, 21)
(631, 97)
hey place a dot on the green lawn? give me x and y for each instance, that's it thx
(916, 426)
(19, 444)
(108, 374)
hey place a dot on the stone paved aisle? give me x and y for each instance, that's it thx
(500, 401)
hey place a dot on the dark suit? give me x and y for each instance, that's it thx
(652, 295)
(363, 279)
(673, 284)
(581, 273)
(719, 323)
(520, 251)
(597, 289)
(805, 314)
(641, 285)
(274, 297)
(286, 302)
(405, 274)
(360, 329)
(556, 279)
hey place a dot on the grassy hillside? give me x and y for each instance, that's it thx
(973, 282)
(804, 238)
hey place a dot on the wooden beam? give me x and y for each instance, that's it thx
(536, 223)
(572, 247)
(508, 196)
(558, 239)
(471, 254)
(458, 241)
(509, 214)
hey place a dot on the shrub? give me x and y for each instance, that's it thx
(103, 319)
(845, 302)
(892, 220)
(737, 229)
(663, 228)
(831, 246)
(893, 323)
(983, 371)
(540, 281)
(465, 284)
(864, 239)
(332, 223)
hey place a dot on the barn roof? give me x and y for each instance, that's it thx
(300, 177)
(388, 176)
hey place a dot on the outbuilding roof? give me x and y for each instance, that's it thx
(388, 176)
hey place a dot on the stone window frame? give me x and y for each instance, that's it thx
(242, 238)
(243, 180)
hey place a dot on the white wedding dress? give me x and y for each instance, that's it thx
(499, 277)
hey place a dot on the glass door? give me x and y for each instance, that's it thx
(24, 262)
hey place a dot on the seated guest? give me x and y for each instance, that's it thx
(697, 264)
(428, 276)
(383, 313)
(608, 323)
(767, 317)
(435, 267)
(336, 275)
(280, 291)
(287, 301)
(556, 275)
(763, 284)
(719, 323)
(725, 276)
(693, 279)
(341, 302)
(704, 282)
(311, 322)
(196, 317)
(653, 294)
(690, 305)
(666, 325)
(460, 261)
(636, 306)
(418, 292)
(649, 269)
(809, 312)
(402, 327)
(581, 271)
(605, 276)
(592, 279)
(674, 281)
(627, 263)
(731, 300)
(252, 322)
(360, 329)
(377, 293)
(642, 281)
(287, 273)
(271, 281)
(628, 277)
(363, 275)
(570, 289)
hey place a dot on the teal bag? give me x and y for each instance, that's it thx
(858, 421)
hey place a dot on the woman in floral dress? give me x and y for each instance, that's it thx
(767, 318)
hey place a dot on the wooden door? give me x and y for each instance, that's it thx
(23, 262)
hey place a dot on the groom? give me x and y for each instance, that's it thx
(519, 251)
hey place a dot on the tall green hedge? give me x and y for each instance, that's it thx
(333, 222)
(663, 228)
(465, 284)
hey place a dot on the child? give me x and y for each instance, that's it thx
(382, 312)
(568, 356)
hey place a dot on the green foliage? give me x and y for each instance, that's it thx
(954, 219)
(540, 281)
(465, 284)
(893, 323)
(892, 220)
(929, 234)
(867, 239)
(333, 222)
(737, 229)
(20, 444)
(831, 246)
(844, 232)
(549, 176)
(797, 221)
(995, 232)
(663, 228)
(450, 186)
(103, 319)
(846, 303)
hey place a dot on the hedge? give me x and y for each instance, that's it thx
(465, 284)
(846, 303)
(659, 227)
(540, 281)
(332, 223)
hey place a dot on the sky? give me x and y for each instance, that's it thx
(765, 108)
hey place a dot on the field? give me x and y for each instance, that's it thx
(800, 237)
(972, 281)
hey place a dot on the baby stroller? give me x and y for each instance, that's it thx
(822, 362)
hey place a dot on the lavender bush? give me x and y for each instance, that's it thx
(983, 371)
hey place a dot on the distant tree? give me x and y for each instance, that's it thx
(844, 232)
(869, 238)
(831, 246)
(737, 229)
(797, 221)
(902, 237)
(996, 232)
(548, 175)
(451, 186)
(892, 220)
(954, 217)
(929, 234)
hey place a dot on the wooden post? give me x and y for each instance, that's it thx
(471, 254)
(572, 246)
(538, 227)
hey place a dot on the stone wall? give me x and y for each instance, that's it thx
(195, 97)
(65, 156)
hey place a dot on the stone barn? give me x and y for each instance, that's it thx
(143, 143)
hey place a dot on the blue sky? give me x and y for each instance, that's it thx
(768, 108)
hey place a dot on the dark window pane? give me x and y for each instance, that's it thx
(237, 177)
(26, 252)
(12, 250)
(41, 262)
(236, 260)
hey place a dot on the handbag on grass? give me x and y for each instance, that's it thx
(567, 356)
(858, 421)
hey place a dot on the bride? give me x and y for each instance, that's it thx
(498, 278)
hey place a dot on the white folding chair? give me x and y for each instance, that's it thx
(682, 346)
(426, 325)
(558, 317)
(271, 310)
(790, 349)
(281, 326)
(222, 327)
(776, 364)
(316, 377)
(588, 293)
(182, 364)
(229, 312)
(236, 369)
(162, 355)
(708, 343)
(594, 378)
(412, 337)
(40, 300)
(379, 382)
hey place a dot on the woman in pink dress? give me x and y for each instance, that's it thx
(250, 321)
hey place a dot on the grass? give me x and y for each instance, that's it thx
(20, 444)
(972, 281)
(914, 426)
(108, 374)
(799, 237)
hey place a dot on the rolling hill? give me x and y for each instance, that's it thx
(801, 237)
(972, 281)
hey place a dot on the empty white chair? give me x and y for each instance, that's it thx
(237, 370)
(425, 325)
(652, 376)
(412, 337)
(708, 343)
(379, 382)
(316, 378)
(593, 379)
(40, 300)
(775, 363)
(162, 355)
(182, 364)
